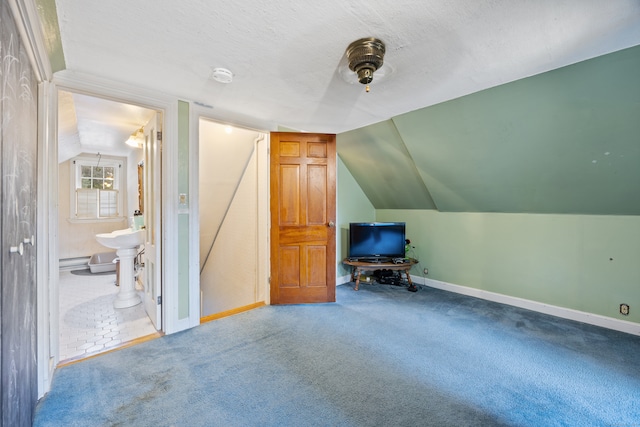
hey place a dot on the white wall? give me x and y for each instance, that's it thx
(228, 210)
(77, 240)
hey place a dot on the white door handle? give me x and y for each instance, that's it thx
(17, 249)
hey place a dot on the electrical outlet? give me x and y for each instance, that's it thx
(624, 309)
(426, 271)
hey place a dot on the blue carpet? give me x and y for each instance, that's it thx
(381, 356)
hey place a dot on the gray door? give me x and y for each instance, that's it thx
(18, 169)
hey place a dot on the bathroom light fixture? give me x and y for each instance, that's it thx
(365, 56)
(136, 139)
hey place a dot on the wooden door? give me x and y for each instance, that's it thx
(303, 205)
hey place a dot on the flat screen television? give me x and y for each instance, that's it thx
(376, 241)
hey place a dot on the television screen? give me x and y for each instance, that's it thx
(376, 240)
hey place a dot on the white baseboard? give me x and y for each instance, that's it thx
(565, 313)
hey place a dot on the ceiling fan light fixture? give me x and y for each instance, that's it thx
(365, 56)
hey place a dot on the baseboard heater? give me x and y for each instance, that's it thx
(73, 263)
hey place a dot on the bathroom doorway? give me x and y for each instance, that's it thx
(102, 145)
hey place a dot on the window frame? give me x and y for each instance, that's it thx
(75, 184)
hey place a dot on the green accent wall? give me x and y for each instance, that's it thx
(582, 262)
(565, 141)
(51, 30)
(352, 206)
(531, 187)
(183, 210)
(385, 170)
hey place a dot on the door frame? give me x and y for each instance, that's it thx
(117, 92)
(262, 152)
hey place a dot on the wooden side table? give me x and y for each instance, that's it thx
(357, 267)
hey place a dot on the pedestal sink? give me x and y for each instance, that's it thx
(126, 243)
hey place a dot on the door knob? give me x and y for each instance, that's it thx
(331, 224)
(17, 249)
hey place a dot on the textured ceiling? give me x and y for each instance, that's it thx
(87, 124)
(288, 57)
(447, 62)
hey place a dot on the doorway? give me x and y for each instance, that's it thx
(232, 198)
(93, 155)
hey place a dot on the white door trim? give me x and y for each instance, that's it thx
(196, 113)
(119, 92)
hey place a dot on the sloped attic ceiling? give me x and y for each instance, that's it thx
(87, 124)
(566, 141)
(432, 133)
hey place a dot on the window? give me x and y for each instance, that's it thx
(96, 189)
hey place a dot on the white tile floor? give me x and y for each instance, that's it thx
(89, 324)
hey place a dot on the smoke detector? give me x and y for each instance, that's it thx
(365, 56)
(222, 75)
